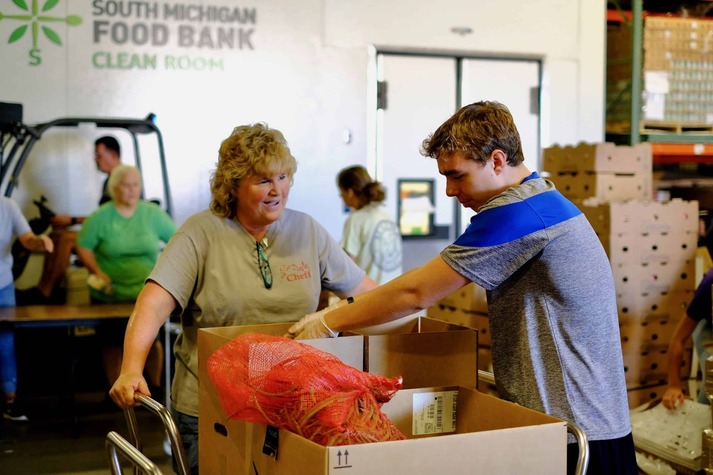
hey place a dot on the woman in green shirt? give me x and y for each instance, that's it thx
(119, 244)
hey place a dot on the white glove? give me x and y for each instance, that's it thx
(300, 325)
(316, 329)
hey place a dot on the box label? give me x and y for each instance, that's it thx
(434, 412)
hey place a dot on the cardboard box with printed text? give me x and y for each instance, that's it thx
(449, 430)
(423, 351)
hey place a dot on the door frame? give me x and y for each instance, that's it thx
(374, 162)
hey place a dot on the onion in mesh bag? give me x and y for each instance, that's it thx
(290, 385)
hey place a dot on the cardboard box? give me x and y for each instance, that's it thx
(604, 157)
(648, 333)
(222, 442)
(471, 297)
(425, 352)
(465, 318)
(490, 436)
(666, 315)
(655, 277)
(640, 217)
(418, 349)
(652, 307)
(646, 362)
(648, 248)
(605, 186)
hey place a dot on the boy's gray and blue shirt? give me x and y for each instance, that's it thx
(552, 306)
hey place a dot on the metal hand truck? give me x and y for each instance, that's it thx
(133, 451)
(574, 429)
(116, 443)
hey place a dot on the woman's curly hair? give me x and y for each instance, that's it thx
(250, 150)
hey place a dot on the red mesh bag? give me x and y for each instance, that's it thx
(290, 385)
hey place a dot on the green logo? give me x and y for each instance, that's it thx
(35, 20)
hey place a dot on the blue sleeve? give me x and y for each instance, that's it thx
(700, 306)
(511, 222)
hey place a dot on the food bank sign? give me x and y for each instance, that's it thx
(140, 35)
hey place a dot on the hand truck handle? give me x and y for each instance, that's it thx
(169, 424)
(583, 444)
(116, 443)
(574, 429)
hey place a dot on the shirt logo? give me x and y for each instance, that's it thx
(295, 272)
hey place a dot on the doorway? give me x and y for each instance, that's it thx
(413, 93)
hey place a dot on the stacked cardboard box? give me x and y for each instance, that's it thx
(678, 72)
(603, 170)
(438, 364)
(651, 248)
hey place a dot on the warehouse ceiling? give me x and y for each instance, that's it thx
(687, 8)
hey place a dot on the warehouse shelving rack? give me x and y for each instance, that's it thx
(687, 147)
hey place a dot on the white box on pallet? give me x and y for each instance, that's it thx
(654, 307)
(633, 249)
(655, 277)
(641, 217)
(635, 306)
(646, 360)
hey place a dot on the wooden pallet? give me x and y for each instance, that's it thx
(656, 126)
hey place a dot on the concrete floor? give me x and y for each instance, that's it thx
(51, 443)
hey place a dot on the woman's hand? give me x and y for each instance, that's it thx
(672, 398)
(314, 328)
(100, 281)
(124, 390)
(313, 325)
(299, 327)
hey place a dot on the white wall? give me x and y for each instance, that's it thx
(302, 69)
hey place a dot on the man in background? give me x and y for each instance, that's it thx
(107, 156)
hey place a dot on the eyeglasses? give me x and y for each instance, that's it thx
(264, 266)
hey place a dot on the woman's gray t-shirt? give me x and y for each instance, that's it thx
(210, 266)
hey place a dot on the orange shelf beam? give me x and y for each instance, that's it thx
(615, 16)
(682, 153)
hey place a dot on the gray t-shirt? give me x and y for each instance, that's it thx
(552, 307)
(210, 266)
(12, 224)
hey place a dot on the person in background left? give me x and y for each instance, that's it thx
(107, 156)
(370, 235)
(13, 224)
(247, 260)
(119, 244)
